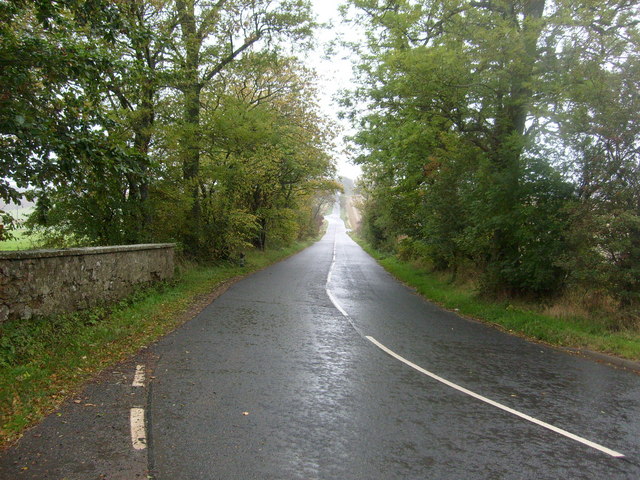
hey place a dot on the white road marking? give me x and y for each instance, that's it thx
(333, 263)
(138, 378)
(336, 304)
(548, 426)
(138, 429)
(524, 416)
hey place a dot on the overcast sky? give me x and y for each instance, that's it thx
(333, 74)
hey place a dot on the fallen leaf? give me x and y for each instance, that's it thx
(245, 413)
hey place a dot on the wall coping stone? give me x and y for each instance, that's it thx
(73, 252)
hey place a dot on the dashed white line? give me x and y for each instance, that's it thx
(138, 378)
(138, 429)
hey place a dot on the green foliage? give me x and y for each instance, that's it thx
(212, 39)
(54, 124)
(504, 134)
(263, 155)
(140, 121)
(602, 139)
(539, 226)
(47, 99)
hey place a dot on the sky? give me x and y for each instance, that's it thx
(333, 75)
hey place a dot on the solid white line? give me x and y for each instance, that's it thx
(138, 429)
(336, 304)
(138, 378)
(570, 435)
(333, 263)
(524, 416)
(330, 273)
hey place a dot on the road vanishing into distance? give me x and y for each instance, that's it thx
(325, 367)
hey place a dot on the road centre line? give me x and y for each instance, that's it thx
(336, 304)
(138, 378)
(138, 429)
(333, 263)
(459, 388)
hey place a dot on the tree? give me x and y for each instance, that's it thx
(133, 94)
(484, 83)
(603, 143)
(52, 123)
(212, 36)
(187, 122)
(107, 201)
(263, 150)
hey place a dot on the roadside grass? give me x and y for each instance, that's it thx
(570, 331)
(44, 361)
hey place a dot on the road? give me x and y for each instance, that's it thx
(325, 367)
(278, 379)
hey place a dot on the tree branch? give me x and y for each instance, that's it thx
(231, 57)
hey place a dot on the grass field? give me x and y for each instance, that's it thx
(20, 242)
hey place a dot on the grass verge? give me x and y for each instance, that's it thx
(44, 361)
(574, 332)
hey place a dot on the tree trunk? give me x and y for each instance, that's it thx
(190, 147)
(509, 143)
(139, 183)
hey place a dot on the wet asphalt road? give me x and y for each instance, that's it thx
(273, 381)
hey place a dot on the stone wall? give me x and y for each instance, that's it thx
(46, 282)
